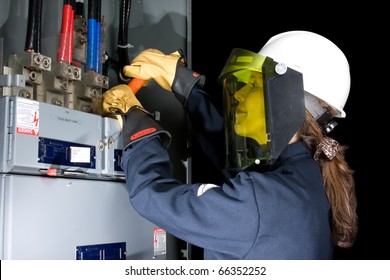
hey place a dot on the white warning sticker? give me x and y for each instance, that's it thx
(27, 116)
(160, 241)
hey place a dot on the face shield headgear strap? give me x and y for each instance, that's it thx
(263, 107)
(322, 115)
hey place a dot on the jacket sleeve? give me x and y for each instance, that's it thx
(210, 216)
(208, 125)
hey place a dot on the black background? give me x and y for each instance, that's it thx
(358, 31)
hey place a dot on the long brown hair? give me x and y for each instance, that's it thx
(339, 184)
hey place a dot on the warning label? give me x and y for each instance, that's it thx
(27, 117)
(160, 241)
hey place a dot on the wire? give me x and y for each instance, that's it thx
(71, 29)
(33, 35)
(37, 31)
(91, 35)
(98, 36)
(79, 9)
(109, 63)
(66, 36)
(123, 57)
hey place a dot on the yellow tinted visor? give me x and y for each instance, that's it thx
(263, 108)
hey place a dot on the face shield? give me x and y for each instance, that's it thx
(263, 108)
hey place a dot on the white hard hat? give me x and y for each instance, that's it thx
(324, 67)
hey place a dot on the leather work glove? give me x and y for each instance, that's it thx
(117, 100)
(168, 70)
(120, 102)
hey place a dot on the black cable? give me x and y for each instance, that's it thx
(109, 63)
(38, 26)
(122, 49)
(79, 9)
(98, 10)
(29, 43)
(91, 9)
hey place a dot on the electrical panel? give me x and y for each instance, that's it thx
(39, 138)
(85, 146)
(63, 192)
(45, 218)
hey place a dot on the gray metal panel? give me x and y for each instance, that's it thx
(46, 218)
(3, 133)
(112, 139)
(163, 24)
(21, 136)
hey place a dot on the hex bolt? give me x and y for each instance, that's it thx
(32, 76)
(46, 62)
(56, 101)
(64, 84)
(37, 59)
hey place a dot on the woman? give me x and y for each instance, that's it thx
(289, 193)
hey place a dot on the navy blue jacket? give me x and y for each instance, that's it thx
(282, 213)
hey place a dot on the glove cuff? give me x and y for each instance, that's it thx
(184, 81)
(139, 124)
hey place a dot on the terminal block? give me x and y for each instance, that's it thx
(60, 84)
(31, 66)
(92, 85)
(80, 40)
